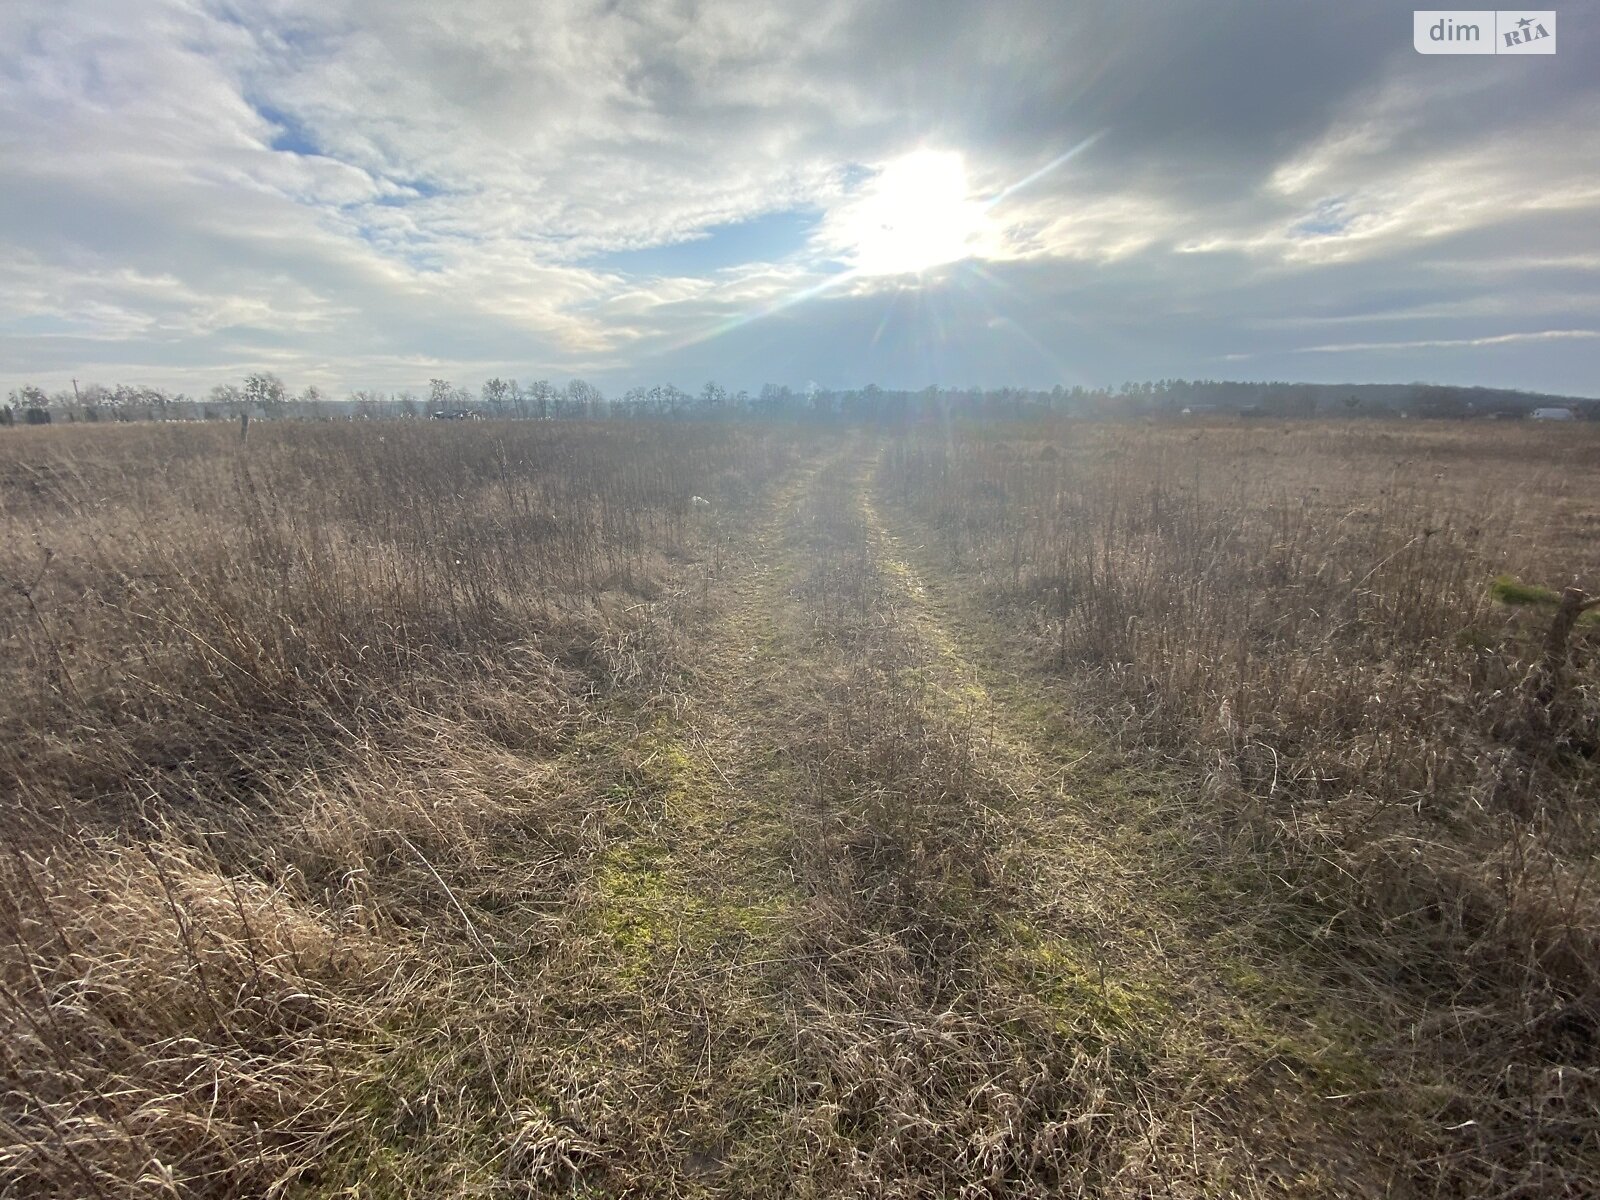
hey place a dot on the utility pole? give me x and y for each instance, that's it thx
(76, 398)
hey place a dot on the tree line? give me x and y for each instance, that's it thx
(265, 395)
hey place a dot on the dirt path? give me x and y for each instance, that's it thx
(864, 922)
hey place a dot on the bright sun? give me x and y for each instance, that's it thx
(916, 214)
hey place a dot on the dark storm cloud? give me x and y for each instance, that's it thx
(1227, 84)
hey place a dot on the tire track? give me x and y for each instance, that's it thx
(1118, 946)
(855, 929)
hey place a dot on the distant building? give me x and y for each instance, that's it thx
(1553, 414)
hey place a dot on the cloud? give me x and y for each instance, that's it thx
(366, 192)
(1499, 339)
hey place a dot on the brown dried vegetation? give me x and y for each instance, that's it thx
(274, 714)
(1304, 621)
(1015, 811)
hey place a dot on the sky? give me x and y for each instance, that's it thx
(373, 193)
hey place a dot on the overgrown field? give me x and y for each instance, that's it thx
(1336, 636)
(396, 809)
(296, 743)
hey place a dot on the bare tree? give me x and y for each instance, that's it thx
(225, 400)
(583, 399)
(367, 405)
(265, 391)
(541, 394)
(713, 398)
(497, 396)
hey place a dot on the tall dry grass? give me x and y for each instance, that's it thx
(1305, 618)
(321, 755)
(271, 708)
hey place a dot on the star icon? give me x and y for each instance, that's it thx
(1525, 22)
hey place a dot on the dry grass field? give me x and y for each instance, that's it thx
(1009, 810)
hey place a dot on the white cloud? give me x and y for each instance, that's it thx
(1499, 339)
(357, 190)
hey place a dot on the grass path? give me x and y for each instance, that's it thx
(1125, 920)
(665, 1084)
(863, 919)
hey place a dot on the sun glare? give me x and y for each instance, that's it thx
(916, 214)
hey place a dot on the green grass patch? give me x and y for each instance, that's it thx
(1509, 590)
(646, 911)
(1086, 995)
